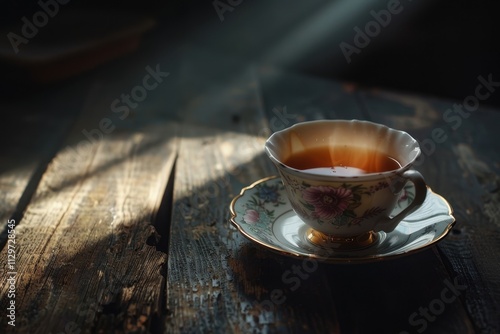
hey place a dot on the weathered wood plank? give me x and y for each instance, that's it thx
(202, 241)
(460, 161)
(217, 281)
(475, 149)
(88, 257)
(31, 134)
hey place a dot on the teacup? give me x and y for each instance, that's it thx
(343, 178)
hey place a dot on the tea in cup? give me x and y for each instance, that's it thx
(343, 178)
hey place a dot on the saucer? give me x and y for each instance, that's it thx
(263, 214)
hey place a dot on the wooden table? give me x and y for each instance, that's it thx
(121, 206)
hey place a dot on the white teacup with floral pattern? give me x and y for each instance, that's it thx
(345, 212)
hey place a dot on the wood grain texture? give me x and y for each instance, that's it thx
(462, 165)
(88, 257)
(31, 134)
(84, 231)
(475, 148)
(213, 164)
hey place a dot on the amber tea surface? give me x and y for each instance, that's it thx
(342, 161)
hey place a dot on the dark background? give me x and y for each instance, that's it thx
(436, 48)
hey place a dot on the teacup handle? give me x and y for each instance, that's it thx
(420, 194)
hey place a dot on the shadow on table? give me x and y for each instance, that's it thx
(391, 296)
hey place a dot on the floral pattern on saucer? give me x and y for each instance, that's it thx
(262, 213)
(259, 210)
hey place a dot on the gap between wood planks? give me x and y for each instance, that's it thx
(161, 241)
(59, 210)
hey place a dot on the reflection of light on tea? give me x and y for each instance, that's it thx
(336, 171)
(347, 161)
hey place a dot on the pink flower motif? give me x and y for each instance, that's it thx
(328, 202)
(251, 216)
